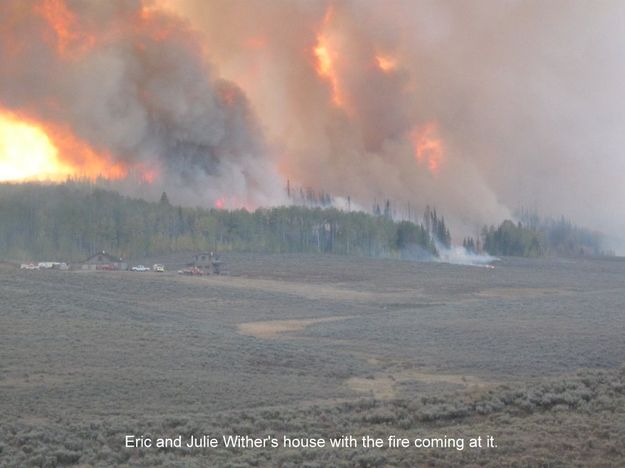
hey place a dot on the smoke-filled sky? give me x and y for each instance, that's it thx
(477, 107)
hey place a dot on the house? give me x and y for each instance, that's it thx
(104, 261)
(208, 262)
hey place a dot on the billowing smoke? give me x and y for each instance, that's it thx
(457, 255)
(135, 85)
(525, 96)
(478, 108)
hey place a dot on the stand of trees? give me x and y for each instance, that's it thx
(562, 237)
(534, 237)
(73, 220)
(436, 227)
(512, 239)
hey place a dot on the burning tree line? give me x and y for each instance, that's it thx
(435, 231)
(72, 220)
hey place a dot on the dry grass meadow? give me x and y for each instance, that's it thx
(530, 352)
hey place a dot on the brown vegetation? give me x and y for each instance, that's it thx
(529, 352)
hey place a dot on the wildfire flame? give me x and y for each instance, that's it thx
(154, 24)
(325, 67)
(52, 134)
(326, 57)
(147, 175)
(428, 147)
(386, 63)
(36, 149)
(228, 202)
(32, 150)
(26, 153)
(68, 36)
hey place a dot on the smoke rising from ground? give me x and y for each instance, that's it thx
(457, 255)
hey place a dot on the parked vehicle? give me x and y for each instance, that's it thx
(192, 271)
(158, 268)
(140, 268)
(53, 266)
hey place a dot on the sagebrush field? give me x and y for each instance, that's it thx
(530, 352)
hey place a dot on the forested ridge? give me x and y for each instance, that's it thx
(74, 220)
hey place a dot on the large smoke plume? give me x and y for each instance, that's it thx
(479, 108)
(525, 95)
(135, 84)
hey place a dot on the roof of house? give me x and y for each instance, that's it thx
(105, 257)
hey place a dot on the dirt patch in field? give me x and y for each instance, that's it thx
(383, 385)
(301, 289)
(273, 328)
(510, 293)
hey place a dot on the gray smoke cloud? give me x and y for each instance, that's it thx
(527, 97)
(524, 99)
(136, 83)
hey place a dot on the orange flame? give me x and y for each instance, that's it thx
(68, 36)
(147, 175)
(326, 57)
(232, 202)
(326, 69)
(85, 161)
(35, 149)
(428, 147)
(386, 63)
(31, 150)
(157, 26)
(26, 153)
